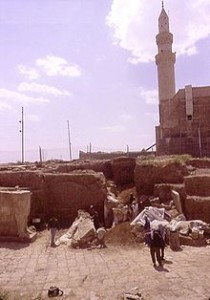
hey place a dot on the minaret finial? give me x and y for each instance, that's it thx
(162, 4)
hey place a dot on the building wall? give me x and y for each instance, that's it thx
(179, 134)
(184, 116)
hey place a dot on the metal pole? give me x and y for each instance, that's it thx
(22, 136)
(69, 136)
(40, 154)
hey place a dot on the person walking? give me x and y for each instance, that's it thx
(53, 226)
(155, 247)
(162, 231)
(147, 229)
(130, 207)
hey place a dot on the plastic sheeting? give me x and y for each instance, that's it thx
(155, 216)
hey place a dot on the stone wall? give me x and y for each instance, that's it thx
(62, 191)
(103, 166)
(66, 193)
(59, 193)
(151, 172)
(180, 135)
(120, 169)
(123, 170)
(197, 202)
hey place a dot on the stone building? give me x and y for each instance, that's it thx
(184, 116)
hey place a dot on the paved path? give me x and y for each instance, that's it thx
(28, 271)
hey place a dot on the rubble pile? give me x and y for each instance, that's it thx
(123, 234)
(191, 232)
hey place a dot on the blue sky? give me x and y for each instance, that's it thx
(92, 63)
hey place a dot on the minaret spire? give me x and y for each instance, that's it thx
(165, 59)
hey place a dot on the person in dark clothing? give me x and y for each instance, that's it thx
(131, 199)
(155, 246)
(53, 226)
(146, 224)
(95, 217)
(162, 231)
(130, 207)
(147, 236)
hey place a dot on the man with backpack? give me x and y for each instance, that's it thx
(156, 244)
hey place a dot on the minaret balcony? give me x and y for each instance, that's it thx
(164, 38)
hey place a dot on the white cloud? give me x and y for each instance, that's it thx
(56, 66)
(135, 25)
(150, 96)
(42, 89)
(33, 118)
(21, 98)
(114, 128)
(29, 73)
(5, 106)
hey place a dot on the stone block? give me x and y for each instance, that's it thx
(198, 185)
(148, 173)
(85, 233)
(189, 241)
(198, 208)
(14, 212)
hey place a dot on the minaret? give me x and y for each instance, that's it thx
(165, 59)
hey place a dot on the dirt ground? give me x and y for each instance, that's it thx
(28, 270)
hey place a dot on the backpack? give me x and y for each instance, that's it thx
(54, 291)
(156, 239)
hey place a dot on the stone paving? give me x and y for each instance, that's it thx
(27, 272)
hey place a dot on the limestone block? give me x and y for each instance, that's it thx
(198, 185)
(177, 201)
(189, 241)
(150, 172)
(198, 208)
(174, 240)
(14, 212)
(85, 232)
(199, 162)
